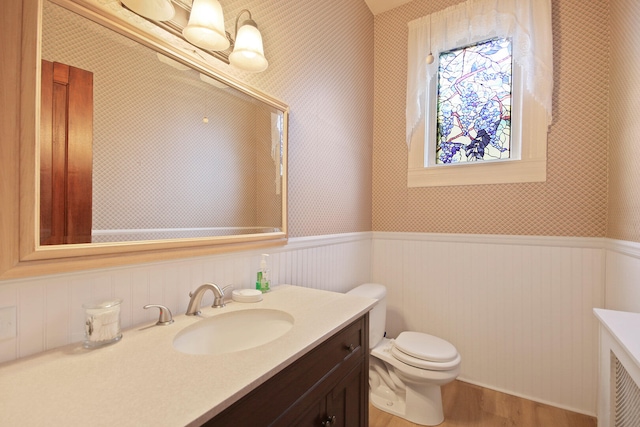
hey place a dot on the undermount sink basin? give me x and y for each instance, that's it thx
(233, 331)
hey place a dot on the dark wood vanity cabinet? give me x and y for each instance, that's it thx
(340, 407)
(328, 386)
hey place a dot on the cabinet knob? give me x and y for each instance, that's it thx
(351, 348)
(329, 421)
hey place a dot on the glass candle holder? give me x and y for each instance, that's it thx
(102, 323)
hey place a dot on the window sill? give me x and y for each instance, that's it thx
(479, 173)
(532, 167)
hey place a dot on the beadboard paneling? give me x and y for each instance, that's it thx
(622, 283)
(519, 309)
(49, 308)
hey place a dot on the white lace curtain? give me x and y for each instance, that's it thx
(526, 22)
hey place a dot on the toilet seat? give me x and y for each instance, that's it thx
(425, 351)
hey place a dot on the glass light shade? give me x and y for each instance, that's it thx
(158, 10)
(248, 54)
(206, 26)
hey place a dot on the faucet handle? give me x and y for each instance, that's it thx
(165, 318)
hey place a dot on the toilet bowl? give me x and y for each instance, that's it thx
(405, 374)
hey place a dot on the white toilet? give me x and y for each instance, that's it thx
(405, 374)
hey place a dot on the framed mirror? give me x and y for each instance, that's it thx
(139, 149)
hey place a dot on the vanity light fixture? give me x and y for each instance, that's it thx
(248, 53)
(206, 26)
(158, 10)
(205, 29)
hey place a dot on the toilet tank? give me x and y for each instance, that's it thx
(378, 314)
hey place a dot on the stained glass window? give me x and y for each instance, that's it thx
(474, 103)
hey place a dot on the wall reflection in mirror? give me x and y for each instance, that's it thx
(136, 146)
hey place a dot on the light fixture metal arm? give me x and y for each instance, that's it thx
(249, 21)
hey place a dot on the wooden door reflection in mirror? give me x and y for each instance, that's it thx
(22, 254)
(66, 133)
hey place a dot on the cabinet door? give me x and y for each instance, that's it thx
(344, 406)
(345, 402)
(313, 417)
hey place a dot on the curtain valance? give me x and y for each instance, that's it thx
(526, 22)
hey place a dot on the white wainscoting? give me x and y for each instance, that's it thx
(622, 284)
(49, 312)
(519, 309)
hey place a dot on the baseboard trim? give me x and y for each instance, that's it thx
(524, 396)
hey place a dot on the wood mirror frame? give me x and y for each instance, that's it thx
(21, 253)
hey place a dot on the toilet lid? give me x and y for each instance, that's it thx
(425, 364)
(426, 347)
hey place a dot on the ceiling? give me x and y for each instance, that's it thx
(379, 6)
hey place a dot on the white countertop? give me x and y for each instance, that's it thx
(142, 380)
(624, 327)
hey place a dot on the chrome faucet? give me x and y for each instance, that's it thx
(193, 308)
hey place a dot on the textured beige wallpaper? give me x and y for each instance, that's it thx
(624, 149)
(156, 164)
(320, 63)
(573, 200)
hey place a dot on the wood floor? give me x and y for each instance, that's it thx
(469, 405)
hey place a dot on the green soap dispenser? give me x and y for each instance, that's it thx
(262, 281)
